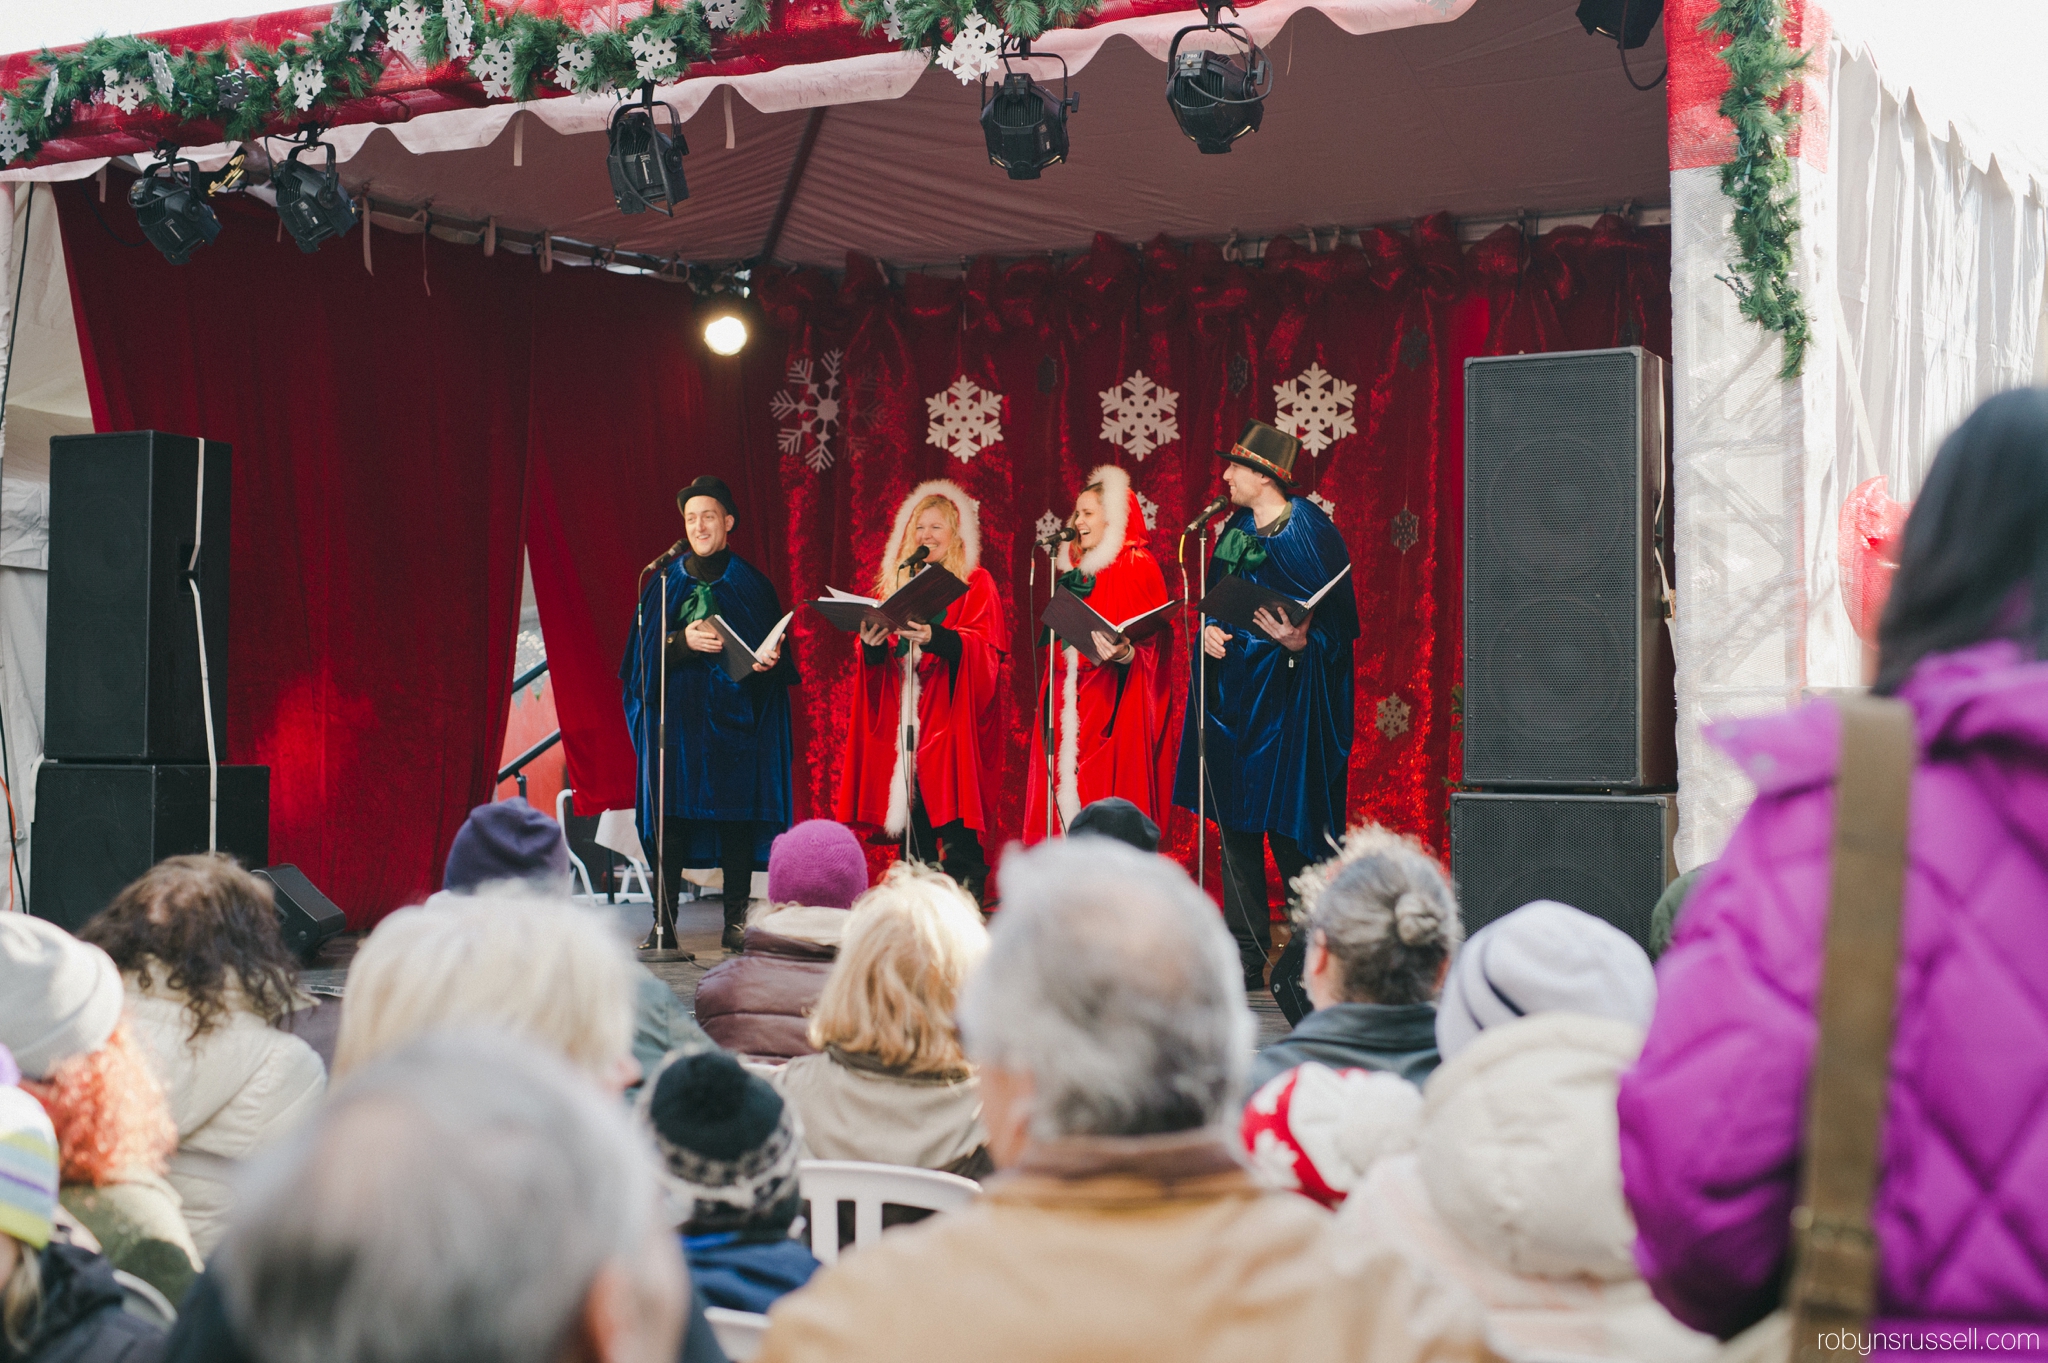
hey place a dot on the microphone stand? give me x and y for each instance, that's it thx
(1052, 668)
(660, 944)
(1201, 693)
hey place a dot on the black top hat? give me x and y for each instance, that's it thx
(708, 486)
(1262, 449)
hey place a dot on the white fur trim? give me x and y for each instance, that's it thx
(970, 521)
(898, 817)
(1116, 513)
(1070, 747)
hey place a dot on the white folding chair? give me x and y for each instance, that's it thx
(576, 866)
(738, 1332)
(828, 1182)
(143, 1301)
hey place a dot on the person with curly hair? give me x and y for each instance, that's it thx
(61, 1014)
(211, 987)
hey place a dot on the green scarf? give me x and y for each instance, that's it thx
(1078, 582)
(700, 604)
(1239, 552)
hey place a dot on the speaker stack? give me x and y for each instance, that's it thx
(1569, 718)
(124, 780)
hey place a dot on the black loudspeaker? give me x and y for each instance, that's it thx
(306, 917)
(122, 672)
(1568, 674)
(100, 826)
(1607, 854)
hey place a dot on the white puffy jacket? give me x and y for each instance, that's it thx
(1514, 1191)
(233, 1091)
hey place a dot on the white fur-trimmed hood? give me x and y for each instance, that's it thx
(970, 522)
(1116, 514)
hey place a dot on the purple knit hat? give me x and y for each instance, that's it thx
(508, 840)
(819, 863)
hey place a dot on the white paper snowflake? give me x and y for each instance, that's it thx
(461, 24)
(892, 27)
(1149, 509)
(1391, 717)
(284, 77)
(1138, 415)
(125, 93)
(975, 50)
(965, 419)
(1329, 507)
(49, 95)
(493, 67)
(720, 15)
(308, 83)
(13, 139)
(653, 56)
(1048, 526)
(1315, 408)
(572, 60)
(405, 27)
(160, 76)
(809, 409)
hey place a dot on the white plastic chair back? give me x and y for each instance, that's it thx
(141, 1300)
(576, 866)
(828, 1182)
(738, 1332)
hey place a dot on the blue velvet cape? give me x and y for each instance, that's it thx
(1280, 734)
(728, 742)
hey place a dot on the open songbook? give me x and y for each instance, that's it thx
(740, 657)
(1234, 601)
(915, 602)
(1075, 622)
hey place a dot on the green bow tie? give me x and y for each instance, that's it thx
(700, 604)
(1239, 552)
(1077, 582)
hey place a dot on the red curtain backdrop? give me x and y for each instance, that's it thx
(379, 440)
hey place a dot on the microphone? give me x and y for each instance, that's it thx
(924, 551)
(1058, 537)
(1207, 511)
(673, 552)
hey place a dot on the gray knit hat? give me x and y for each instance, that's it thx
(59, 997)
(1545, 957)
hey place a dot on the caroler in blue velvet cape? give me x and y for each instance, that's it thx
(729, 747)
(1279, 722)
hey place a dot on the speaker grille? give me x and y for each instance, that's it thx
(1603, 854)
(1553, 563)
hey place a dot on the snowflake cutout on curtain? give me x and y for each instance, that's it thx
(1149, 509)
(975, 51)
(1329, 508)
(125, 94)
(461, 24)
(812, 403)
(722, 14)
(1391, 717)
(965, 419)
(405, 27)
(1138, 415)
(1405, 530)
(872, 409)
(13, 139)
(160, 76)
(309, 82)
(1315, 408)
(1239, 373)
(493, 67)
(1048, 526)
(652, 56)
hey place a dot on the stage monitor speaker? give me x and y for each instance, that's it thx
(100, 826)
(1568, 678)
(122, 670)
(1607, 854)
(306, 917)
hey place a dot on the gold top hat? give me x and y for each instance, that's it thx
(1265, 450)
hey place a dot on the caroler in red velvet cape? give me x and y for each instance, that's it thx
(1110, 721)
(958, 733)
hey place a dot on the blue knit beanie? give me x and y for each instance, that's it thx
(508, 840)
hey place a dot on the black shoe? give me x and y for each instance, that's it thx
(1255, 977)
(735, 938)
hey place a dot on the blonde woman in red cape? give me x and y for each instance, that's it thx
(1109, 721)
(937, 680)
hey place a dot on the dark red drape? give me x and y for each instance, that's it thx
(379, 440)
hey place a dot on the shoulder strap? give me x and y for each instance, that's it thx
(1834, 1276)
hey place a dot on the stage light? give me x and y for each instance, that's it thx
(726, 334)
(646, 163)
(170, 203)
(1024, 123)
(1217, 97)
(1627, 21)
(313, 203)
(724, 314)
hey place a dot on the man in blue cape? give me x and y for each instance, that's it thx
(1279, 697)
(728, 787)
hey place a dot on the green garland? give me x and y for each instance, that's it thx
(924, 23)
(1761, 67)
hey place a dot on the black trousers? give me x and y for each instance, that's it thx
(1244, 889)
(736, 860)
(953, 847)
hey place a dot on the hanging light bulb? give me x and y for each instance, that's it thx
(725, 314)
(726, 334)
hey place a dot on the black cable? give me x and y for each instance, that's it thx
(1619, 45)
(6, 379)
(93, 204)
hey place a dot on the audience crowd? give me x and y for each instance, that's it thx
(1530, 1145)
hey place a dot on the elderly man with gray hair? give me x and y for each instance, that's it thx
(1109, 1026)
(467, 1196)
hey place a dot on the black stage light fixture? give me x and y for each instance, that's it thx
(1217, 97)
(1024, 122)
(170, 203)
(646, 163)
(1628, 22)
(312, 201)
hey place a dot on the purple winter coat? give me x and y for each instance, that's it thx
(1711, 1114)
